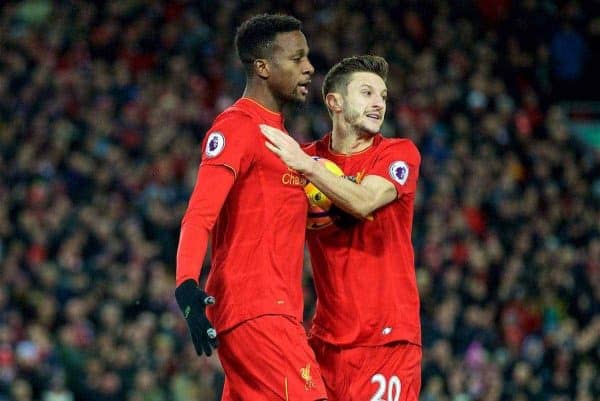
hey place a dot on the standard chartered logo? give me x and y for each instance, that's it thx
(293, 178)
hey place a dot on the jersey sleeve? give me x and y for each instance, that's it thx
(202, 212)
(231, 142)
(399, 163)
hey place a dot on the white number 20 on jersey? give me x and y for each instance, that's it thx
(392, 385)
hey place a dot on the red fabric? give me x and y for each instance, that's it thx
(386, 372)
(268, 358)
(203, 208)
(364, 274)
(258, 236)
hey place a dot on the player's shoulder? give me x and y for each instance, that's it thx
(309, 147)
(236, 114)
(235, 118)
(404, 145)
(317, 147)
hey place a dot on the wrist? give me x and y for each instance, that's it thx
(187, 286)
(308, 167)
(186, 292)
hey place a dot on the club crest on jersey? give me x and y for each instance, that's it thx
(214, 144)
(357, 179)
(307, 377)
(399, 172)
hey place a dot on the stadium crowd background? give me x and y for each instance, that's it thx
(102, 109)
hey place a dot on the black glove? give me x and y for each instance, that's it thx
(193, 301)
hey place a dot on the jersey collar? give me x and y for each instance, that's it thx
(376, 140)
(258, 109)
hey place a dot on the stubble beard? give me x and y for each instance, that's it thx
(352, 119)
(294, 103)
(291, 100)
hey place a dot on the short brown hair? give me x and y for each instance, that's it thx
(337, 78)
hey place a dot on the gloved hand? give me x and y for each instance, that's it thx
(193, 301)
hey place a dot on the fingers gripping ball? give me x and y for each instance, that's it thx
(319, 204)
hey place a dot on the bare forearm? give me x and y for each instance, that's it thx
(347, 195)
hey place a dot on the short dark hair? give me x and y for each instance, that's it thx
(254, 37)
(338, 76)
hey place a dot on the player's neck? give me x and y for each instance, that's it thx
(345, 140)
(263, 96)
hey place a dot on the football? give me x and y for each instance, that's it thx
(319, 205)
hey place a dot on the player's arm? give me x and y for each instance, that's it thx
(228, 149)
(200, 217)
(360, 200)
(203, 208)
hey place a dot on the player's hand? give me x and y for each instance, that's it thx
(193, 301)
(287, 149)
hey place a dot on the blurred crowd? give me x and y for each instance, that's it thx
(103, 105)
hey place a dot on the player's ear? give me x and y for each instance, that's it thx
(334, 102)
(261, 68)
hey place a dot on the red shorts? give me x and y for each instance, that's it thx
(390, 372)
(268, 359)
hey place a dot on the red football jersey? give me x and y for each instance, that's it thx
(364, 270)
(258, 238)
